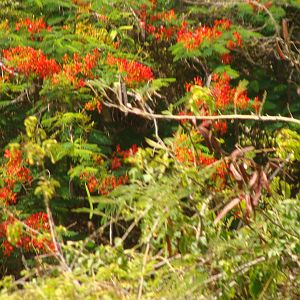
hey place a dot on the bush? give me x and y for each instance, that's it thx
(150, 149)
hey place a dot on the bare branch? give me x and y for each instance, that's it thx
(152, 116)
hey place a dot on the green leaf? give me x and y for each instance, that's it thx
(113, 33)
(154, 144)
(228, 70)
(125, 27)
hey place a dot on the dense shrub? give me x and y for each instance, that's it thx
(150, 149)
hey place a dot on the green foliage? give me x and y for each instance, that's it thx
(91, 133)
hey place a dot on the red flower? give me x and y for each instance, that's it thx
(38, 221)
(92, 183)
(126, 153)
(29, 61)
(224, 95)
(196, 81)
(185, 155)
(73, 70)
(192, 39)
(134, 149)
(32, 239)
(220, 126)
(94, 104)
(135, 71)
(115, 163)
(7, 196)
(256, 104)
(224, 24)
(8, 248)
(182, 113)
(226, 58)
(111, 182)
(188, 87)
(32, 26)
(236, 42)
(14, 172)
(221, 90)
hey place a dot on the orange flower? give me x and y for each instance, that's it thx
(33, 26)
(29, 61)
(135, 71)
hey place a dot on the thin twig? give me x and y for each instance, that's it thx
(139, 296)
(135, 223)
(295, 235)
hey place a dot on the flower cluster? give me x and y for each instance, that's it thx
(220, 126)
(111, 182)
(93, 105)
(196, 81)
(192, 39)
(29, 61)
(13, 171)
(166, 15)
(77, 68)
(11, 231)
(226, 58)
(162, 27)
(256, 105)
(189, 156)
(103, 186)
(35, 237)
(157, 25)
(40, 223)
(235, 42)
(161, 32)
(184, 154)
(119, 155)
(224, 95)
(32, 26)
(135, 71)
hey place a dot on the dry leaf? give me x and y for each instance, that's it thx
(226, 209)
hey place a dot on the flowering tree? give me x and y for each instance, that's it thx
(150, 144)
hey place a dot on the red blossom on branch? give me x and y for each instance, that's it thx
(196, 81)
(115, 163)
(29, 61)
(135, 71)
(256, 104)
(226, 58)
(77, 68)
(220, 126)
(184, 154)
(224, 95)
(193, 38)
(103, 186)
(93, 105)
(235, 42)
(126, 153)
(33, 237)
(14, 171)
(32, 26)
